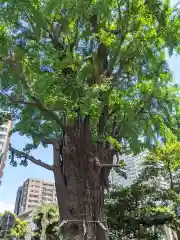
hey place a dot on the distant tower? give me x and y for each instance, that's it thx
(133, 167)
(18, 200)
(33, 193)
(4, 142)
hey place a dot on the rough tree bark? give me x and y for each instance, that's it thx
(178, 236)
(80, 183)
(81, 170)
(78, 173)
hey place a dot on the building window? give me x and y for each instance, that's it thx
(30, 206)
(2, 136)
(47, 195)
(3, 129)
(34, 191)
(33, 201)
(34, 196)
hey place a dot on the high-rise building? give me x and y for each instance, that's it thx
(133, 167)
(34, 193)
(18, 200)
(4, 142)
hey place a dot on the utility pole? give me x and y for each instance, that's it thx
(6, 223)
(6, 230)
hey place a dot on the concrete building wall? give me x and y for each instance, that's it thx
(4, 144)
(133, 167)
(35, 193)
(18, 201)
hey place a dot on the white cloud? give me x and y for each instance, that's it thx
(6, 206)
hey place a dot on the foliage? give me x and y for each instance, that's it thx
(60, 65)
(152, 200)
(47, 220)
(4, 117)
(132, 212)
(164, 165)
(19, 229)
(91, 76)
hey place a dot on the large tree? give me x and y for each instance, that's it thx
(90, 78)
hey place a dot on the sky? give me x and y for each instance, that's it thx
(14, 176)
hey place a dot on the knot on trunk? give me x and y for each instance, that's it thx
(95, 165)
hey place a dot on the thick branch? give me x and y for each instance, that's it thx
(14, 100)
(50, 141)
(109, 165)
(103, 119)
(36, 101)
(20, 154)
(43, 108)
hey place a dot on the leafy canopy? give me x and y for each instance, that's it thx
(46, 218)
(163, 166)
(63, 62)
(152, 200)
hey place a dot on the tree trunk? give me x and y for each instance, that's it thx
(178, 235)
(80, 193)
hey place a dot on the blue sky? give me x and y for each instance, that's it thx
(14, 177)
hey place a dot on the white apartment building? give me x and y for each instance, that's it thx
(4, 142)
(133, 167)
